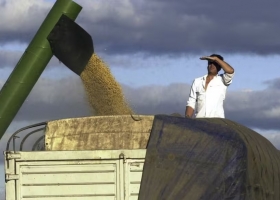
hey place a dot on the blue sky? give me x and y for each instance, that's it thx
(153, 49)
(252, 71)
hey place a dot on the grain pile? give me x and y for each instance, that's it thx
(103, 92)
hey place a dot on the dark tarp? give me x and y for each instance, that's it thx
(208, 159)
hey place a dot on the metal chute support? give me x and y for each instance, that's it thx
(32, 64)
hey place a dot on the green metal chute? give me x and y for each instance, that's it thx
(32, 64)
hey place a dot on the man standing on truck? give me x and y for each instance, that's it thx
(208, 92)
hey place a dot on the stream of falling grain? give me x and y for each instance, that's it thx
(103, 91)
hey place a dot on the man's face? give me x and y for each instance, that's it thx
(212, 68)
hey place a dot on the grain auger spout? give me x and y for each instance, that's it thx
(71, 44)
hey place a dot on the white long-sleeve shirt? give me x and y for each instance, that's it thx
(209, 102)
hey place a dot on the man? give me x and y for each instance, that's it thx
(209, 91)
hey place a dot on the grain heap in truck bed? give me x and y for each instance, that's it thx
(99, 132)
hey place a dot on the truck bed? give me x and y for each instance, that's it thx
(74, 175)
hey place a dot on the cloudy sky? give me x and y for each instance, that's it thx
(153, 49)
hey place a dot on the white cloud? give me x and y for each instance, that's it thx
(272, 135)
(22, 15)
(9, 58)
(126, 26)
(272, 112)
(96, 10)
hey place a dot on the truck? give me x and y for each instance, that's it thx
(99, 157)
(142, 157)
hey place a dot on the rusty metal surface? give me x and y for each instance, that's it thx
(208, 159)
(99, 132)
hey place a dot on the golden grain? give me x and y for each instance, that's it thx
(103, 91)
